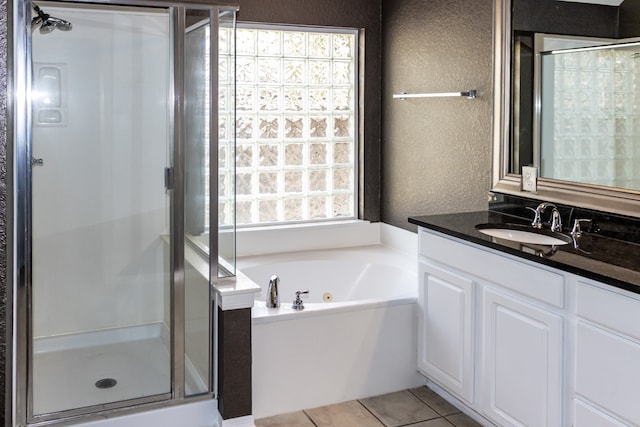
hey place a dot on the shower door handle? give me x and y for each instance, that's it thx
(36, 162)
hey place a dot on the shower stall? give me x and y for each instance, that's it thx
(122, 127)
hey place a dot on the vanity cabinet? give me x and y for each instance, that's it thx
(523, 344)
(445, 329)
(607, 339)
(491, 331)
(522, 362)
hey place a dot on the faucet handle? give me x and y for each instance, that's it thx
(537, 221)
(298, 304)
(576, 231)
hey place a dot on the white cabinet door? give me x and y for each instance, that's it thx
(522, 362)
(588, 416)
(607, 371)
(445, 334)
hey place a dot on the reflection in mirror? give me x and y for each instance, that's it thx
(561, 109)
(530, 19)
(589, 122)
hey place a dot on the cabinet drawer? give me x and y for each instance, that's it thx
(535, 282)
(607, 371)
(610, 309)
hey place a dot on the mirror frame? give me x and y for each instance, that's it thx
(607, 199)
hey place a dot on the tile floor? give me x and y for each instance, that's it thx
(419, 407)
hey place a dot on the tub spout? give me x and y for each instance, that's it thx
(273, 297)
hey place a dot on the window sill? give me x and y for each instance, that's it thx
(305, 237)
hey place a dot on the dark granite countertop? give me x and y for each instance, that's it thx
(599, 257)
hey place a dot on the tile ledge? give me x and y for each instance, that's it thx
(236, 293)
(246, 421)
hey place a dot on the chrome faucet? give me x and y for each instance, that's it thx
(577, 230)
(298, 304)
(273, 298)
(556, 221)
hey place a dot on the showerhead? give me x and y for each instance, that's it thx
(48, 23)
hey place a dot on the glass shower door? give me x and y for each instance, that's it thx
(101, 141)
(209, 179)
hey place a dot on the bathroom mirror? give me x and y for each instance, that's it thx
(525, 32)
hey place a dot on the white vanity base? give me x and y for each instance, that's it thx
(512, 342)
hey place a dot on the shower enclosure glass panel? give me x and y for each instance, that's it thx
(209, 156)
(210, 220)
(226, 192)
(197, 138)
(101, 140)
(116, 142)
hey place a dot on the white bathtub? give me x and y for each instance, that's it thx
(337, 279)
(361, 344)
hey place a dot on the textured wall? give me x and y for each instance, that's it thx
(340, 13)
(551, 16)
(3, 203)
(436, 155)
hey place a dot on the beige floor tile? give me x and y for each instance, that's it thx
(399, 408)
(461, 420)
(436, 402)
(438, 422)
(294, 419)
(348, 414)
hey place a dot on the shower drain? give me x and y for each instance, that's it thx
(106, 383)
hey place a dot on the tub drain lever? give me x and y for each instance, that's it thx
(298, 304)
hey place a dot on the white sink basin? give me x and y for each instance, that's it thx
(524, 234)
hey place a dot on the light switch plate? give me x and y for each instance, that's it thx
(529, 179)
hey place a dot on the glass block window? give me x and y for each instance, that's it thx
(296, 124)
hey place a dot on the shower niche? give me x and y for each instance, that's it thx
(123, 156)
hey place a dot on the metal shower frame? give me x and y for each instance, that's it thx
(19, 327)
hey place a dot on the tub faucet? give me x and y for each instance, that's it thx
(273, 297)
(298, 304)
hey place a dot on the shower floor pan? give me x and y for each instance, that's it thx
(79, 370)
